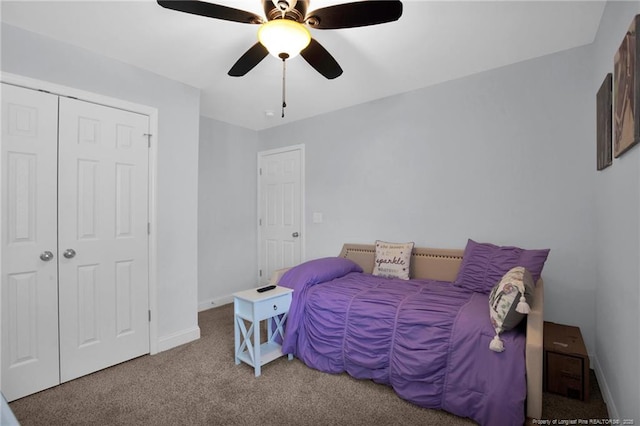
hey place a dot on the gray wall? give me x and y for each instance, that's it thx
(227, 205)
(617, 203)
(178, 105)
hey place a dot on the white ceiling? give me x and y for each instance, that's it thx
(431, 43)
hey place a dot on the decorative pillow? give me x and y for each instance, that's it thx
(392, 260)
(484, 264)
(509, 302)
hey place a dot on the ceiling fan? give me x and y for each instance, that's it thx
(285, 24)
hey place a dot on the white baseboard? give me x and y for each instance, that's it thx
(179, 338)
(604, 389)
(215, 302)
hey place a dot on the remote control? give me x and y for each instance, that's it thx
(267, 288)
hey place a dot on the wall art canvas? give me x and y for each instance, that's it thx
(604, 112)
(626, 89)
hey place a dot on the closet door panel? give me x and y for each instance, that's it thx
(30, 360)
(103, 241)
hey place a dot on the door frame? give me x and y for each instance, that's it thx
(303, 233)
(152, 113)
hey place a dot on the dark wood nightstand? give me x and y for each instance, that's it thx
(566, 362)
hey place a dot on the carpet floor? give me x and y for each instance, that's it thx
(199, 384)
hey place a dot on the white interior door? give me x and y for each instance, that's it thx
(102, 237)
(29, 215)
(280, 209)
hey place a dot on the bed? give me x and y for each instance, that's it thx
(416, 336)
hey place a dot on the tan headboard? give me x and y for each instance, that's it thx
(427, 263)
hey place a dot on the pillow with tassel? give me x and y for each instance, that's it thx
(509, 302)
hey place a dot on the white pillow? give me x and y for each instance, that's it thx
(392, 260)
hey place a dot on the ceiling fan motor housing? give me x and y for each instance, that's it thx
(295, 10)
(284, 5)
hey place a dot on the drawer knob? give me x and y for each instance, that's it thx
(275, 308)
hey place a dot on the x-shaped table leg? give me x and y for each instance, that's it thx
(246, 339)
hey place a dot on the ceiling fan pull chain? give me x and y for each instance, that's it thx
(284, 70)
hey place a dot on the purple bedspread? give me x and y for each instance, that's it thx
(429, 340)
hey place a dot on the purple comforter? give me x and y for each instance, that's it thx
(429, 340)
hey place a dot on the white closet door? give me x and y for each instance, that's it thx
(29, 203)
(102, 237)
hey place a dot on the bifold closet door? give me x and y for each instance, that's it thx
(74, 239)
(102, 237)
(29, 242)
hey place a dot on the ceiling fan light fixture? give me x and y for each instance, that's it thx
(284, 38)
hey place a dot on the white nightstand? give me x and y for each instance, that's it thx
(254, 307)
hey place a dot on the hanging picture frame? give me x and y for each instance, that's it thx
(626, 90)
(604, 113)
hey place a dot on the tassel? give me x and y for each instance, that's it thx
(496, 344)
(523, 306)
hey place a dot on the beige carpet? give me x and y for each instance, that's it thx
(199, 384)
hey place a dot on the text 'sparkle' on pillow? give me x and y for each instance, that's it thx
(392, 260)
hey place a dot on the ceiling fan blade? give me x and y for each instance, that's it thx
(357, 14)
(318, 57)
(249, 60)
(211, 10)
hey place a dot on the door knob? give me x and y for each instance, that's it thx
(295, 235)
(46, 256)
(69, 253)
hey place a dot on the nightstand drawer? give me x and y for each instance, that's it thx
(565, 375)
(272, 307)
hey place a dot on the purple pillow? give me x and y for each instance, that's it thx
(317, 271)
(484, 264)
